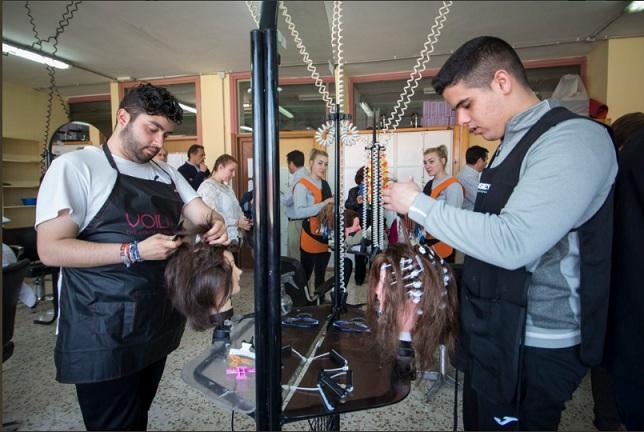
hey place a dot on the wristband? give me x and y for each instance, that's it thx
(125, 254)
(134, 255)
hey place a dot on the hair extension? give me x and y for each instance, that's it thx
(438, 323)
(198, 278)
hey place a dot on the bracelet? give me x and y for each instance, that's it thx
(125, 254)
(133, 252)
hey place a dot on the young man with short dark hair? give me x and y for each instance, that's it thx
(476, 159)
(534, 290)
(108, 218)
(295, 160)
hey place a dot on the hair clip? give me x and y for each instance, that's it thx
(415, 295)
(355, 325)
(303, 320)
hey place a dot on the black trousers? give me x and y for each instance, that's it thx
(548, 379)
(630, 400)
(361, 269)
(604, 404)
(317, 262)
(122, 403)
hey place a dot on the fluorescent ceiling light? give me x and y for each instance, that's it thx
(188, 108)
(246, 128)
(367, 109)
(286, 113)
(310, 97)
(635, 6)
(29, 55)
(429, 90)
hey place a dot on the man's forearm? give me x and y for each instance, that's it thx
(79, 253)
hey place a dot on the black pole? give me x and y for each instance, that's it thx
(274, 336)
(337, 295)
(266, 253)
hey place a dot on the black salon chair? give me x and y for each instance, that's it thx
(12, 277)
(37, 271)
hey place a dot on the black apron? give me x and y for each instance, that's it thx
(493, 300)
(116, 320)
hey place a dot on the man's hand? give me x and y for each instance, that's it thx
(158, 247)
(399, 196)
(360, 199)
(203, 167)
(217, 233)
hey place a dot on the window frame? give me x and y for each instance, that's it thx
(162, 82)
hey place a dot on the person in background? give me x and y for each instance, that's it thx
(218, 194)
(355, 202)
(536, 244)
(442, 187)
(311, 194)
(194, 169)
(295, 161)
(468, 177)
(625, 334)
(162, 155)
(108, 217)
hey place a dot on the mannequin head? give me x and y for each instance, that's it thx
(411, 289)
(200, 279)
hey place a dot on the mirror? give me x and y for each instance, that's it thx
(71, 136)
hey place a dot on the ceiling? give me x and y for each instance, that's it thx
(144, 39)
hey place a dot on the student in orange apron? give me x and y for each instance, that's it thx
(311, 194)
(442, 187)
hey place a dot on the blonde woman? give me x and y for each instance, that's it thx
(311, 194)
(442, 187)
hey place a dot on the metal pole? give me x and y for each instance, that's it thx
(265, 165)
(337, 293)
(274, 335)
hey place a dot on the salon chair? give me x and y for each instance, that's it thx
(12, 277)
(37, 271)
(293, 279)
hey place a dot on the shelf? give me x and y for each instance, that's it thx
(9, 207)
(21, 185)
(19, 158)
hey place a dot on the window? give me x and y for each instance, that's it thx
(187, 92)
(94, 112)
(301, 106)
(383, 95)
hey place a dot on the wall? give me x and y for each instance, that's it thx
(625, 88)
(597, 72)
(615, 70)
(213, 125)
(24, 110)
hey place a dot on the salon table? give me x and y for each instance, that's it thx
(371, 383)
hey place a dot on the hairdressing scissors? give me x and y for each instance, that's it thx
(177, 230)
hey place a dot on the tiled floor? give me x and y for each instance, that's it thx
(31, 394)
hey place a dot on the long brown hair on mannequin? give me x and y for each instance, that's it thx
(438, 323)
(198, 278)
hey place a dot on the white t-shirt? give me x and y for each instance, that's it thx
(81, 181)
